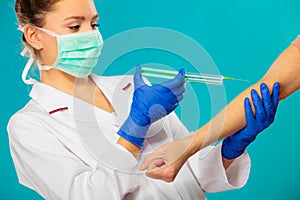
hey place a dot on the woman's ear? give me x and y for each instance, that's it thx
(32, 36)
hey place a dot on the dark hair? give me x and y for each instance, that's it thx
(33, 12)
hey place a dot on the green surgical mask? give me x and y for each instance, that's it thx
(77, 54)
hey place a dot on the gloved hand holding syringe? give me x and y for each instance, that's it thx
(189, 76)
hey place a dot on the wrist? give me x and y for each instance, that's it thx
(226, 162)
(137, 141)
(200, 139)
(133, 133)
(133, 149)
(194, 144)
(231, 149)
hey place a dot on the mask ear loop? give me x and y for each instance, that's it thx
(28, 65)
(53, 34)
(29, 81)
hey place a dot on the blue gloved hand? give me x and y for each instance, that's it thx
(149, 104)
(265, 109)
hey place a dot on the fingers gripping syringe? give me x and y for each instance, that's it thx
(190, 77)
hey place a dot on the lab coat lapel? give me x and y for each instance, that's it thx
(118, 90)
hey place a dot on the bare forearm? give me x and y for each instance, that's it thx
(285, 70)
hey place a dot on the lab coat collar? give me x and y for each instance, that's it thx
(49, 98)
(53, 100)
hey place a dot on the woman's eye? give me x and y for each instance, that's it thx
(74, 28)
(94, 26)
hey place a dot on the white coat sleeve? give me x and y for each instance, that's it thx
(208, 167)
(44, 164)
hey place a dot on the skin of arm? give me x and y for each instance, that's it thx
(165, 162)
(285, 70)
(226, 162)
(133, 149)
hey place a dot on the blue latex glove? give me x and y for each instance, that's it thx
(265, 109)
(149, 104)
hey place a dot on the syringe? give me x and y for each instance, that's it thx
(190, 77)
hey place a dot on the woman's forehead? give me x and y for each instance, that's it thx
(68, 8)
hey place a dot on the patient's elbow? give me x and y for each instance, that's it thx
(282, 97)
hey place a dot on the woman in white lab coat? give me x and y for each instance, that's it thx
(46, 136)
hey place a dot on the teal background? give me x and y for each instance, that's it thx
(242, 37)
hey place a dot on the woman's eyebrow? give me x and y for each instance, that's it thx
(75, 17)
(95, 17)
(80, 17)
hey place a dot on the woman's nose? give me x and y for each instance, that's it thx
(87, 27)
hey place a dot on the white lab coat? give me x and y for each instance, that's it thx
(50, 157)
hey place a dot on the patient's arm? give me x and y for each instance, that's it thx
(165, 162)
(285, 70)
